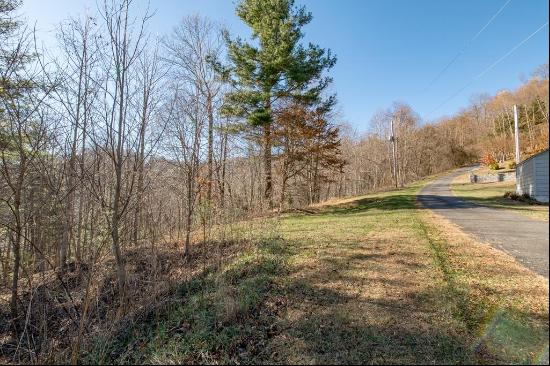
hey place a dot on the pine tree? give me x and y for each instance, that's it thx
(274, 67)
(8, 25)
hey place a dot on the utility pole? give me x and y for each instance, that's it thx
(516, 134)
(394, 152)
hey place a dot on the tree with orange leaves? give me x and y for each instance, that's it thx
(309, 148)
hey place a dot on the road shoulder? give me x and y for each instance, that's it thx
(523, 238)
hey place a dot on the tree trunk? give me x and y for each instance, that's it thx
(16, 245)
(210, 113)
(79, 239)
(189, 213)
(224, 163)
(118, 160)
(69, 205)
(16, 264)
(140, 173)
(284, 180)
(268, 192)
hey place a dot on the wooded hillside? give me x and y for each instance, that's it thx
(485, 127)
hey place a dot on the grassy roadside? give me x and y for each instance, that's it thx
(492, 195)
(362, 289)
(374, 279)
(379, 280)
(503, 304)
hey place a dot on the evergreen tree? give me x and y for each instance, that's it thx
(8, 23)
(14, 53)
(273, 67)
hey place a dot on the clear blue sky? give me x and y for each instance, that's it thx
(388, 50)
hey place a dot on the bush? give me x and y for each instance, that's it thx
(512, 165)
(520, 197)
(511, 195)
(494, 166)
(488, 159)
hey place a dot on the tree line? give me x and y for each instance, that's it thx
(485, 128)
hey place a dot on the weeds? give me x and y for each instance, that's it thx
(217, 317)
(521, 197)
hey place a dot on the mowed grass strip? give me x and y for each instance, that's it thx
(503, 304)
(376, 280)
(492, 195)
(364, 287)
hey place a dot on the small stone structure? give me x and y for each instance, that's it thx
(532, 177)
(493, 177)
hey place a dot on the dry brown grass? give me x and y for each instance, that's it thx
(54, 317)
(489, 272)
(379, 280)
(511, 300)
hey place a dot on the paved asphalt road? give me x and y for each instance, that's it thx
(523, 238)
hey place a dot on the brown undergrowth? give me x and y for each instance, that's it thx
(64, 313)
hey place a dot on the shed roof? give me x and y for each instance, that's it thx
(534, 156)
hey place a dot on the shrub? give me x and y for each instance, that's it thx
(512, 165)
(488, 159)
(520, 197)
(511, 195)
(494, 166)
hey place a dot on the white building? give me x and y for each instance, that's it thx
(532, 177)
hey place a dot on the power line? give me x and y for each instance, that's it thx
(480, 75)
(466, 46)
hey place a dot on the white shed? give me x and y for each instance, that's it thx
(532, 177)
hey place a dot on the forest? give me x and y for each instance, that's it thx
(126, 156)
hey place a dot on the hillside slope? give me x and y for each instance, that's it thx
(373, 279)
